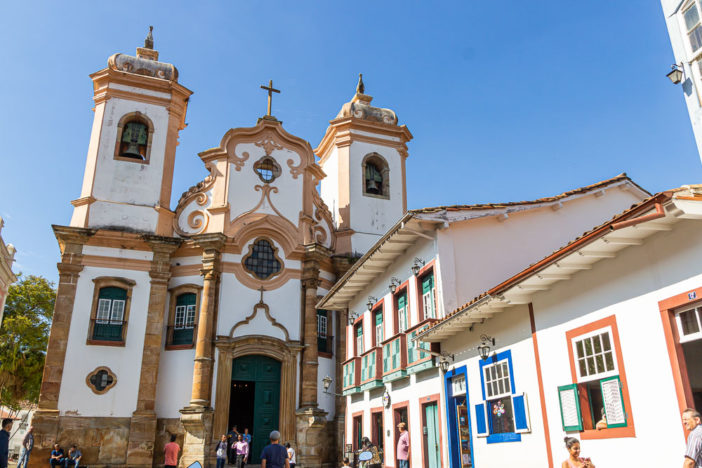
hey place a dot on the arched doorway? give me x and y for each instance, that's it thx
(255, 399)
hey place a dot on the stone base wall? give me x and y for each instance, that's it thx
(103, 441)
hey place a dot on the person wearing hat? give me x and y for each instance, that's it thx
(274, 455)
(403, 446)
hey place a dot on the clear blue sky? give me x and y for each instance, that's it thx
(507, 100)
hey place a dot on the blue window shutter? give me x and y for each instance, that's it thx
(480, 420)
(521, 413)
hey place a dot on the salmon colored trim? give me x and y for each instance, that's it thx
(617, 432)
(373, 412)
(378, 305)
(539, 378)
(395, 434)
(424, 401)
(353, 427)
(678, 365)
(395, 296)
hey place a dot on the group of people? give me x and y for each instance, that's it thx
(235, 447)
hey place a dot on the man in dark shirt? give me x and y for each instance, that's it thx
(274, 455)
(5, 442)
(58, 456)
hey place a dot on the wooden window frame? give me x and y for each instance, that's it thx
(427, 269)
(424, 401)
(572, 336)
(378, 307)
(377, 436)
(105, 282)
(358, 415)
(358, 324)
(139, 117)
(174, 293)
(401, 289)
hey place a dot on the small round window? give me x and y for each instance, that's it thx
(262, 260)
(101, 380)
(267, 169)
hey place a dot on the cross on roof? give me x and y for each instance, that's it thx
(270, 90)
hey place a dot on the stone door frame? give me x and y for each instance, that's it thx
(284, 351)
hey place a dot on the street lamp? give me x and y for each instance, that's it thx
(676, 74)
(444, 364)
(394, 283)
(326, 382)
(352, 317)
(484, 347)
(418, 264)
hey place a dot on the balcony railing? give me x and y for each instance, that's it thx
(352, 375)
(325, 344)
(107, 330)
(181, 336)
(372, 368)
(394, 358)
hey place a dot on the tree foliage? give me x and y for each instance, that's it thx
(24, 336)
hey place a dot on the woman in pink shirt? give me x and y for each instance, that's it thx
(171, 453)
(403, 446)
(241, 450)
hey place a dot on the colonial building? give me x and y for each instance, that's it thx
(190, 320)
(684, 21)
(600, 340)
(7, 257)
(431, 261)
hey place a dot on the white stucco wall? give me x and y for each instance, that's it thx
(125, 362)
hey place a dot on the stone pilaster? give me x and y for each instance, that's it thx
(311, 438)
(142, 431)
(45, 420)
(197, 418)
(340, 401)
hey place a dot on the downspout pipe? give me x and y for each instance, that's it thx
(660, 213)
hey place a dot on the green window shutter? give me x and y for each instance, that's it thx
(359, 331)
(386, 357)
(113, 293)
(411, 348)
(427, 283)
(364, 368)
(402, 301)
(570, 408)
(378, 318)
(371, 366)
(186, 299)
(396, 354)
(613, 401)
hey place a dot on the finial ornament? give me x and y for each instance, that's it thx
(360, 87)
(149, 41)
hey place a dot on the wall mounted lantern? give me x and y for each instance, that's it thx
(484, 347)
(394, 283)
(418, 264)
(352, 318)
(371, 302)
(326, 382)
(676, 74)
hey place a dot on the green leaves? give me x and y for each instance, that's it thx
(24, 336)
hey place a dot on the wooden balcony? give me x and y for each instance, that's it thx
(372, 368)
(352, 376)
(395, 358)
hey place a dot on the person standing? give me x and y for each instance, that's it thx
(171, 453)
(26, 449)
(74, 456)
(241, 449)
(274, 455)
(574, 459)
(221, 451)
(291, 455)
(247, 436)
(693, 454)
(5, 442)
(232, 436)
(403, 446)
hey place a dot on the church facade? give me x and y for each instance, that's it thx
(187, 321)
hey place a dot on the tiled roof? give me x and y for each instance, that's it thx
(569, 193)
(584, 238)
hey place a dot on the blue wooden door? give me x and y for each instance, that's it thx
(264, 372)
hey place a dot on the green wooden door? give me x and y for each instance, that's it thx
(431, 435)
(265, 373)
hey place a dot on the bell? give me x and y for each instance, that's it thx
(132, 151)
(372, 186)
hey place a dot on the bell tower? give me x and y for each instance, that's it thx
(363, 154)
(139, 110)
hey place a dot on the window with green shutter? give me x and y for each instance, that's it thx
(428, 296)
(184, 320)
(359, 339)
(402, 316)
(411, 348)
(378, 327)
(109, 317)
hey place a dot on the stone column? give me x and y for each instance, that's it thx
(197, 418)
(142, 430)
(46, 418)
(310, 419)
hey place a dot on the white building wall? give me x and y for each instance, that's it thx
(689, 59)
(75, 397)
(329, 186)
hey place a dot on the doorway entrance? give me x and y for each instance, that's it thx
(255, 400)
(430, 435)
(399, 414)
